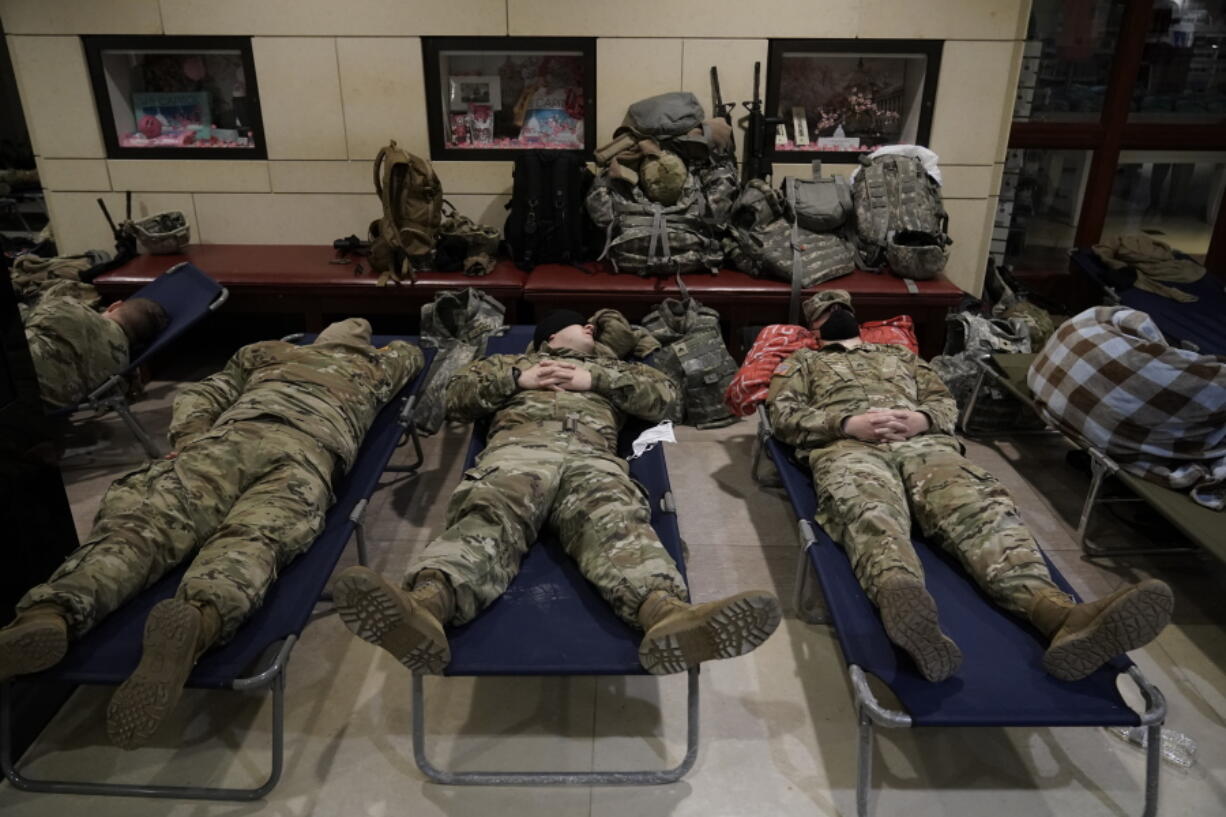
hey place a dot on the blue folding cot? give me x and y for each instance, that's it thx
(1001, 681)
(1198, 322)
(567, 629)
(257, 656)
(188, 295)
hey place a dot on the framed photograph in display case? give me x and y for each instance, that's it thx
(840, 99)
(176, 97)
(489, 97)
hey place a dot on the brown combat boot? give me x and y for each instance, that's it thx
(909, 615)
(1086, 636)
(32, 642)
(177, 633)
(408, 624)
(678, 636)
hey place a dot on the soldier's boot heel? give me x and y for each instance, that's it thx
(679, 636)
(1086, 636)
(909, 616)
(36, 640)
(398, 621)
(176, 633)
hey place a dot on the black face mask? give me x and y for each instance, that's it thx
(841, 325)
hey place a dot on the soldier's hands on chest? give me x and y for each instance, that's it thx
(556, 375)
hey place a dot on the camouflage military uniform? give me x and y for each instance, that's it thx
(259, 444)
(550, 458)
(867, 492)
(31, 274)
(74, 348)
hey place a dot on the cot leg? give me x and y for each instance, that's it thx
(20, 781)
(1097, 472)
(117, 402)
(810, 606)
(594, 778)
(969, 411)
(418, 457)
(1153, 767)
(864, 771)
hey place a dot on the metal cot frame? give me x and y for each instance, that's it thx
(811, 608)
(272, 674)
(1101, 467)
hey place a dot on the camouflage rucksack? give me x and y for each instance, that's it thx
(900, 219)
(695, 358)
(457, 324)
(968, 337)
(764, 239)
(648, 238)
(412, 199)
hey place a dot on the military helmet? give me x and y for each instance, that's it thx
(663, 178)
(161, 233)
(915, 254)
(823, 300)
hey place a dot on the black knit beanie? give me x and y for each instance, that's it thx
(555, 322)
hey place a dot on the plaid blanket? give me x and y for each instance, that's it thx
(1109, 378)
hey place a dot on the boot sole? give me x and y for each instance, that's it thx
(743, 623)
(373, 611)
(1131, 622)
(911, 622)
(31, 647)
(168, 654)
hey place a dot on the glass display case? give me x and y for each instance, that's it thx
(176, 97)
(1066, 61)
(844, 98)
(488, 97)
(1183, 68)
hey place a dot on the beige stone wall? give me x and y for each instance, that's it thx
(337, 79)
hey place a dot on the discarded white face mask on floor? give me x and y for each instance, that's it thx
(662, 433)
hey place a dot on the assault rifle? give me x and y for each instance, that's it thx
(718, 108)
(759, 135)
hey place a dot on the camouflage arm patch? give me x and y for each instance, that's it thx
(794, 406)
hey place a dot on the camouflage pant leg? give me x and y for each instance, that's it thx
(862, 504)
(604, 523)
(277, 517)
(149, 521)
(969, 513)
(493, 517)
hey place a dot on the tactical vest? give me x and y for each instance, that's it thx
(695, 358)
(900, 218)
(412, 199)
(458, 323)
(969, 336)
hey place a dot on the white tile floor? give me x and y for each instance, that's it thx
(778, 730)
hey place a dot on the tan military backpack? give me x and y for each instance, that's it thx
(412, 199)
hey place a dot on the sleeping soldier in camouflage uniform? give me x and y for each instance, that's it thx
(257, 447)
(551, 460)
(75, 348)
(876, 426)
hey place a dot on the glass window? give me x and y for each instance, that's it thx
(850, 96)
(1066, 60)
(1040, 201)
(1173, 196)
(490, 95)
(161, 97)
(1183, 69)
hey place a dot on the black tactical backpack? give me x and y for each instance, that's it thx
(546, 223)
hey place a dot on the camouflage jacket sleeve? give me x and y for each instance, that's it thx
(401, 362)
(934, 399)
(200, 404)
(480, 388)
(790, 405)
(636, 389)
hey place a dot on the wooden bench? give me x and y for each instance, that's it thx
(301, 280)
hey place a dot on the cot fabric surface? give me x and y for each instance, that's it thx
(1001, 681)
(110, 652)
(187, 294)
(551, 620)
(1199, 321)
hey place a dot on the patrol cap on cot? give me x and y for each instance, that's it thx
(555, 322)
(352, 332)
(823, 300)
